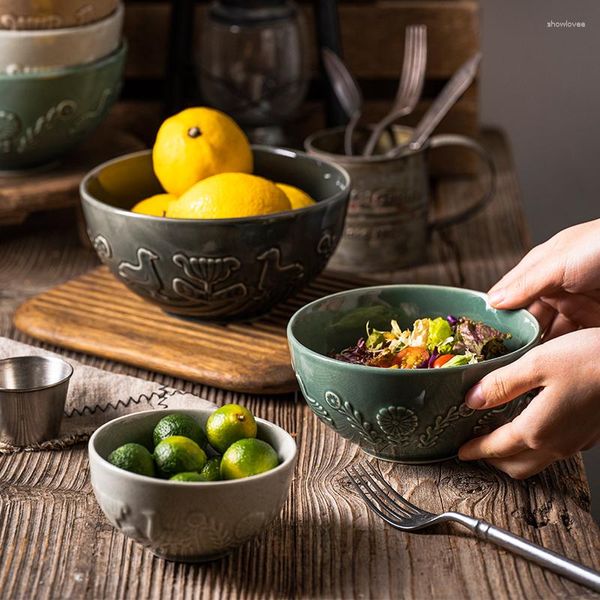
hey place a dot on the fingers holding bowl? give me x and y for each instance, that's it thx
(506, 383)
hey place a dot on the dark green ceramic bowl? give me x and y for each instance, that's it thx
(215, 268)
(45, 114)
(411, 416)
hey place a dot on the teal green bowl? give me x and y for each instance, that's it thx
(45, 114)
(403, 415)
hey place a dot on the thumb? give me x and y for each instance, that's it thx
(506, 384)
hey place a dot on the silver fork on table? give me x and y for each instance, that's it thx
(411, 83)
(396, 510)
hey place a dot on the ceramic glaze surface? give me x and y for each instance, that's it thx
(43, 116)
(189, 522)
(397, 414)
(219, 268)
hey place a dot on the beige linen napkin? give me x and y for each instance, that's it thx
(97, 396)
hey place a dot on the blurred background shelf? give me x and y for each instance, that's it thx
(372, 37)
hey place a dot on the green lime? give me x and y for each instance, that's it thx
(190, 476)
(211, 470)
(178, 454)
(179, 424)
(229, 424)
(133, 457)
(248, 457)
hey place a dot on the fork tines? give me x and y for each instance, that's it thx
(381, 497)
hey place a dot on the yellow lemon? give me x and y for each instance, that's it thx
(197, 143)
(297, 198)
(155, 205)
(227, 196)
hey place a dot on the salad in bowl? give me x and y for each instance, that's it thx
(440, 342)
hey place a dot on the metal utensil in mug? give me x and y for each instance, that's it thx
(33, 390)
(387, 224)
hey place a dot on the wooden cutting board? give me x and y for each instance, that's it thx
(98, 315)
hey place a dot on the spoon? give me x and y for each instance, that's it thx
(347, 91)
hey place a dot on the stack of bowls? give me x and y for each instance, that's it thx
(61, 63)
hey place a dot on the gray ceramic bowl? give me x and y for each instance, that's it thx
(412, 416)
(215, 268)
(44, 115)
(183, 521)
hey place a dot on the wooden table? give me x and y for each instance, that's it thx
(56, 543)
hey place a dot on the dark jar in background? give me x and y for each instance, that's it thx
(252, 63)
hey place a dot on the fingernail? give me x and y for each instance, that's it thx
(475, 397)
(496, 297)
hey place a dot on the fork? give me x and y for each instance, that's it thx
(411, 83)
(401, 514)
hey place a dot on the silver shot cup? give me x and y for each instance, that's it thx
(33, 391)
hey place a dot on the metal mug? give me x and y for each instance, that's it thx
(33, 391)
(387, 225)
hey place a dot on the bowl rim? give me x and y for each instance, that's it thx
(413, 372)
(279, 216)
(56, 72)
(111, 20)
(37, 358)
(289, 461)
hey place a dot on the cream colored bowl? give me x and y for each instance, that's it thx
(52, 14)
(33, 51)
(184, 521)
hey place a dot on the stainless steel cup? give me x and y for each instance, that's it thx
(387, 224)
(33, 390)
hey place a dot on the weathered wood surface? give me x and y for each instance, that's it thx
(56, 544)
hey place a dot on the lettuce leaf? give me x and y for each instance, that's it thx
(474, 336)
(440, 336)
(376, 340)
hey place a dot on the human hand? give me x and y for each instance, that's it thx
(561, 420)
(559, 281)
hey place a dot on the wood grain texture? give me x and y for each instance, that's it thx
(56, 543)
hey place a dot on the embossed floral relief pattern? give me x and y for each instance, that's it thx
(183, 534)
(396, 427)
